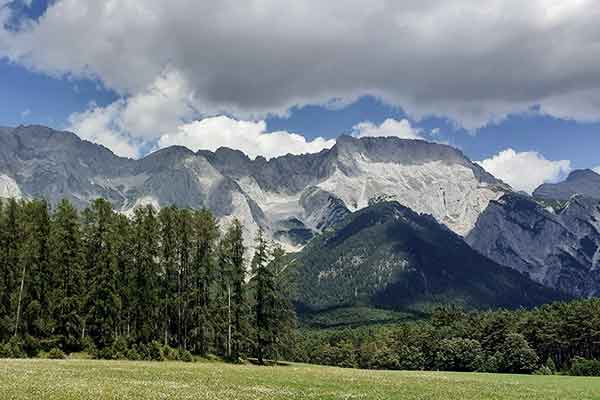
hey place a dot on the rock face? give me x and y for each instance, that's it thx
(584, 181)
(559, 248)
(292, 197)
(388, 256)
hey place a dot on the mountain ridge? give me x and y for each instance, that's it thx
(386, 255)
(37, 161)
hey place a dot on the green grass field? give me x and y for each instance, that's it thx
(90, 379)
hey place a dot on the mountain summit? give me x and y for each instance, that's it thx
(292, 197)
(386, 255)
(583, 181)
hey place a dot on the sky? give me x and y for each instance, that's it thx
(515, 85)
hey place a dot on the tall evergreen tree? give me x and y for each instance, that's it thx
(35, 260)
(123, 242)
(4, 276)
(103, 302)
(168, 270)
(183, 303)
(67, 275)
(238, 304)
(264, 286)
(283, 315)
(12, 236)
(205, 313)
(147, 274)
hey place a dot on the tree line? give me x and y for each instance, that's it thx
(117, 287)
(558, 337)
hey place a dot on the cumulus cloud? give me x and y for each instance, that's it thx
(102, 125)
(249, 136)
(390, 127)
(472, 61)
(128, 125)
(525, 170)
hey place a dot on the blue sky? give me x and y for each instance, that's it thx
(138, 75)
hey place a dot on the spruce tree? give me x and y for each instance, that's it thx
(4, 276)
(283, 316)
(103, 302)
(66, 263)
(147, 275)
(238, 305)
(168, 270)
(12, 236)
(34, 259)
(184, 295)
(206, 296)
(263, 281)
(123, 242)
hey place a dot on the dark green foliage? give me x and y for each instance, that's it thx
(452, 339)
(458, 354)
(66, 290)
(388, 256)
(56, 354)
(518, 356)
(157, 286)
(550, 365)
(583, 367)
(12, 349)
(273, 311)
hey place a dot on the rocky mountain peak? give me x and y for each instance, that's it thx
(584, 181)
(313, 189)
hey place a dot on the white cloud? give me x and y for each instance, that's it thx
(100, 125)
(597, 169)
(250, 137)
(137, 121)
(474, 61)
(25, 113)
(525, 170)
(390, 127)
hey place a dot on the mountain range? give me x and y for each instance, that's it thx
(444, 227)
(292, 197)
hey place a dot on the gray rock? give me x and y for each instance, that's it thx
(316, 189)
(583, 181)
(558, 248)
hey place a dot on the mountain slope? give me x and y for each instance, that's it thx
(585, 182)
(292, 197)
(389, 256)
(558, 248)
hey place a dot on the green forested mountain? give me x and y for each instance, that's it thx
(549, 338)
(388, 256)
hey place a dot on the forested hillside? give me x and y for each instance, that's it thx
(119, 287)
(548, 339)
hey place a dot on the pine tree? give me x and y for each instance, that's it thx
(4, 276)
(12, 236)
(34, 259)
(205, 313)
(184, 224)
(66, 263)
(283, 323)
(103, 302)
(123, 242)
(264, 297)
(168, 270)
(147, 275)
(238, 305)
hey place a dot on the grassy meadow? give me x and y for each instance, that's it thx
(92, 379)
